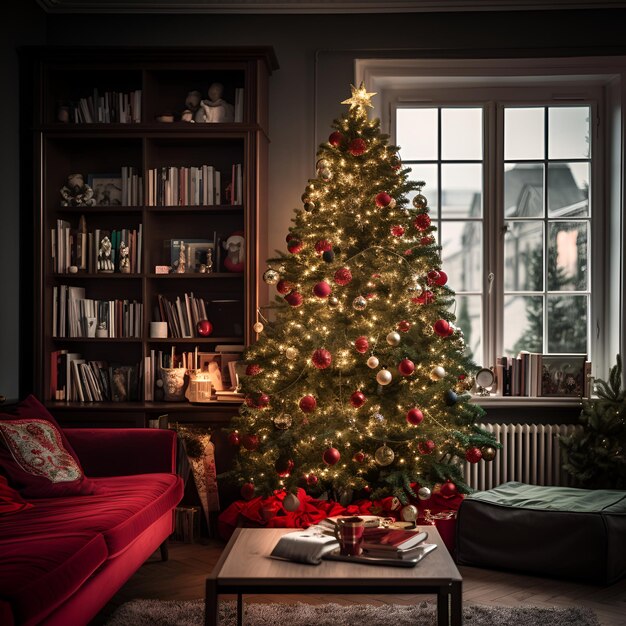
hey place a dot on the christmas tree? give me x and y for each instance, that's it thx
(594, 455)
(358, 384)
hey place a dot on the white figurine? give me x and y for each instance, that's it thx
(105, 264)
(76, 193)
(215, 109)
(235, 247)
(124, 260)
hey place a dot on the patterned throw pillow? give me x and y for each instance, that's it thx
(35, 456)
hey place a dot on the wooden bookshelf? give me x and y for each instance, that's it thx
(63, 76)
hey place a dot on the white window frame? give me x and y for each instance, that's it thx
(598, 81)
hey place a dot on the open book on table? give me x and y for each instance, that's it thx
(389, 540)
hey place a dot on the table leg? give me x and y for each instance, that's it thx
(211, 607)
(457, 603)
(239, 610)
(443, 613)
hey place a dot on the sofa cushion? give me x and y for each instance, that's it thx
(35, 455)
(40, 572)
(10, 500)
(121, 508)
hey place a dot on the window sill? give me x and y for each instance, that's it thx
(494, 401)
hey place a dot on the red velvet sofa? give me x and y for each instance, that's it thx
(62, 559)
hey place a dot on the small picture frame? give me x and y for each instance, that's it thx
(200, 255)
(107, 189)
(563, 375)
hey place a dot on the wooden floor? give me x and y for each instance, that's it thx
(183, 577)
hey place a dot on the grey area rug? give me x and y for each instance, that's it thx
(191, 613)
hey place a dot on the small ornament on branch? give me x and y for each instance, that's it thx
(359, 303)
(442, 328)
(343, 276)
(423, 493)
(473, 454)
(331, 456)
(250, 442)
(397, 231)
(422, 222)
(294, 299)
(448, 489)
(284, 287)
(450, 397)
(359, 457)
(488, 453)
(307, 404)
(323, 245)
(234, 439)
(358, 399)
(372, 362)
(393, 338)
(384, 455)
(284, 467)
(291, 353)
(437, 373)
(295, 246)
(321, 358)
(253, 369)
(322, 289)
(420, 202)
(406, 367)
(361, 344)
(271, 276)
(426, 447)
(282, 421)
(384, 377)
(383, 200)
(357, 147)
(414, 416)
(312, 480)
(336, 139)
(404, 326)
(258, 327)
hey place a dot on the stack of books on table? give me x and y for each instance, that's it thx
(388, 543)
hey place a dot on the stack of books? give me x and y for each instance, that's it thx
(394, 543)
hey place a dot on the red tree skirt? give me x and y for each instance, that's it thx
(269, 512)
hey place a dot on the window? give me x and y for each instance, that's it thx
(523, 172)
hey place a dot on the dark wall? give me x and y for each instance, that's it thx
(316, 55)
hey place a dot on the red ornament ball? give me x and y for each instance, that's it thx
(383, 199)
(442, 328)
(358, 399)
(307, 404)
(426, 297)
(311, 480)
(397, 231)
(343, 276)
(414, 416)
(290, 236)
(253, 369)
(247, 491)
(404, 326)
(262, 401)
(443, 278)
(361, 345)
(204, 328)
(284, 467)
(323, 245)
(359, 457)
(284, 287)
(250, 442)
(448, 489)
(426, 447)
(322, 358)
(234, 439)
(427, 240)
(422, 221)
(473, 455)
(336, 139)
(451, 330)
(322, 289)
(406, 367)
(294, 299)
(331, 456)
(433, 276)
(295, 246)
(357, 147)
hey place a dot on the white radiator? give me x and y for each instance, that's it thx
(530, 454)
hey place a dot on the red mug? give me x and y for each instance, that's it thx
(349, 533)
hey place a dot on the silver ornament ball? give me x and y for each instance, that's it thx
(333, 302)
(437, 373)
(423, 493)
(409, 513)
(420, 202)
(271, 276)
(283, 421)
(359, 303)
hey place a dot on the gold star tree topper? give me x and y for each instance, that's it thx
(361, 98)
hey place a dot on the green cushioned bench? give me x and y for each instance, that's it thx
(560, 532)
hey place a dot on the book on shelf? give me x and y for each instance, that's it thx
(109, 107)
(304, 546)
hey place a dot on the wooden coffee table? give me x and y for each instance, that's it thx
(245, 567)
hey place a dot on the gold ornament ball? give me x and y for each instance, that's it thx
(258, 327)
(271, 276)
(283, 421)
(437, 373)
(373, 362)
(489, 453)
(383, 377)
(325, 174)
(291, 353)
(409, 513)
(393, 338)
(420, 202)
(384, 455)
(322, 164)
